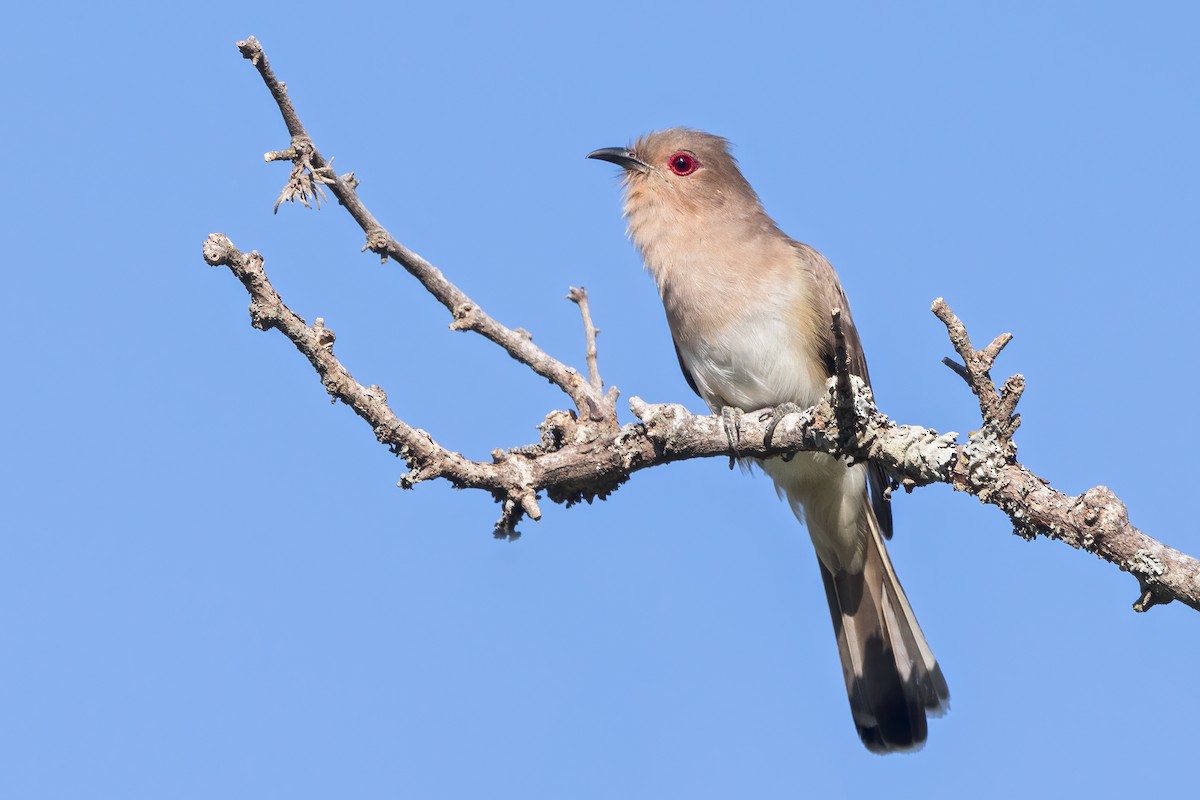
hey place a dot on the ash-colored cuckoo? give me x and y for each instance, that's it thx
(749, 310)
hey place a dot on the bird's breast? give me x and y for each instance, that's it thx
(755, 361)
(738, 302)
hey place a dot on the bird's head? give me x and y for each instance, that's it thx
(681, 167)
(682, 186)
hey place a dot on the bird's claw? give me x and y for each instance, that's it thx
(777, 414)
(731, 417)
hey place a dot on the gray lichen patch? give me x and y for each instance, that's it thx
(1146, 563)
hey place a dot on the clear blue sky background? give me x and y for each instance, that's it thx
(209, 585)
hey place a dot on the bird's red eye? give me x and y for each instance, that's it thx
(683, 163)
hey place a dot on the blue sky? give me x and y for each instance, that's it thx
(209, 584)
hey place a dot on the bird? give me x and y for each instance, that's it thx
(749, 310)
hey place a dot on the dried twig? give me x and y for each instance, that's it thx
(467, 314)
(578, 296)
(998, 409)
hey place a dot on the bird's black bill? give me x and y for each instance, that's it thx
(621, 156)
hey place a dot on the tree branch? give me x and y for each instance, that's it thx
(997, 409)
(579, 297)
(585, 455)
(307, 160)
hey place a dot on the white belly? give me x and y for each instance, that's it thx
(753, 364)
(762, 363)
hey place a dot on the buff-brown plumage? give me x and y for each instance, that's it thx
(749, 310)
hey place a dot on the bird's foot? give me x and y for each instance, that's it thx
(731, 416)
(777, 414)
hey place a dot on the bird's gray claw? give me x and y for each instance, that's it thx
(732, 419)
(777, 414)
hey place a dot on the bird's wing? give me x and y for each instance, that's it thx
(687, 375)
(828, 295)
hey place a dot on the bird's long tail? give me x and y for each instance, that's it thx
(892, 678)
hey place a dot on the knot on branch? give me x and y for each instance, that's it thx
(218, 250)
(410, 444)
(1097, 513)
(466, 317)
(378, 242)
(326, 337)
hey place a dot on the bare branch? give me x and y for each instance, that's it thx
(426, 459)
(579, 297)
(585, 456)
(958, 369)
(842, 379)
(998, 409)
(467, 314)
